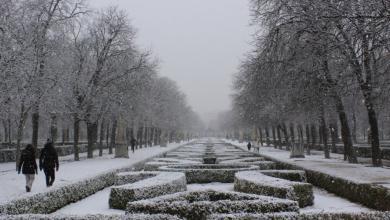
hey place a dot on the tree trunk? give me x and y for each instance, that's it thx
(274, 136)
(324, 132)
(267, 139)
(279, 137)
(102, 123)
(375, 147)
(333, 135)
(308, 139)
(35, 128)
(53, 128)
(92, 130)
(113, 135)
(354, 128)
(261, 135)
(286, 136)
(145, 135)
(108, 135)
(313, 135)
(292, 134)
(297, 148)
(349, 152)
(76, 135)
(22, 121)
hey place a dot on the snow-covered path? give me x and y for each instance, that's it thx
(336, 166)
(13, 185)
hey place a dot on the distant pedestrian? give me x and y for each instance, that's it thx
(48, 161)
(249, 146)
(133, 143)
(28, 165)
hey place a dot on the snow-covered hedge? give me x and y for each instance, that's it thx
(208, 173)
(292, 175)
(132, 177)
(263, 165)
(258, 183)
(245, 160)
(303, 216)
(158, 162)
(160, 184)
(48, 202)
(199, 204)
(92, 217)
(370, 195)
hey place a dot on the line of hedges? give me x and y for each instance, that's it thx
(303, 216)
(371, 195)
(257, 183)
(160, 184)
(51, 201)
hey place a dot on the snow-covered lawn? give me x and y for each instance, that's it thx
(336, 166)
(328, 202)
(13, 185)
(95, 204)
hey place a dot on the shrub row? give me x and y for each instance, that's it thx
(161, 184)
(209, 173)
(199, 204)
(257, 183)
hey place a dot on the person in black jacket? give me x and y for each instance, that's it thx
(133, 142)
(249, 146)
(28, 165)
(48, 161)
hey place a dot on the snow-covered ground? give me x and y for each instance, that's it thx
(95, 204)
(328, 202)
(335, 166)
(323, 202)
(13, 185)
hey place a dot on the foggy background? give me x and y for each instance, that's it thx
(199, 44)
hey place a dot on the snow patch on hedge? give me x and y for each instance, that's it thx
(292, 175)
(199, 204)
(258, 183)
(160, 184)
(208, 173)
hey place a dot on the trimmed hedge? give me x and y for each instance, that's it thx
(304, 216)
(132, 177)
(257, 183)
(160, 184)
(91, 217)
(51, 201)
(199, 204)
(48, 202)
(292, 175)
(209, 173)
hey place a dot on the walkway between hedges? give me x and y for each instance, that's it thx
(12, 185)
(336, 166)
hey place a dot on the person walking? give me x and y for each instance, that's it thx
(28, 166)
(249, 146)
(48, 161)
(133, 142)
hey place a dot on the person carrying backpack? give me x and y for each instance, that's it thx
(48, 161)
(28, 166)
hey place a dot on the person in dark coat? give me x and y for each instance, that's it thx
(133, 142)
(28, 166)
(249, 146)
(48, 161)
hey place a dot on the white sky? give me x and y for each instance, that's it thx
(199, 43)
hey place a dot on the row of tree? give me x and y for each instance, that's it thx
(62, 61)
(317, 63)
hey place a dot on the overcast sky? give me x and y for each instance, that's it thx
(199, 43)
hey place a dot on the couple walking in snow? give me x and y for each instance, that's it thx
(48, 162)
